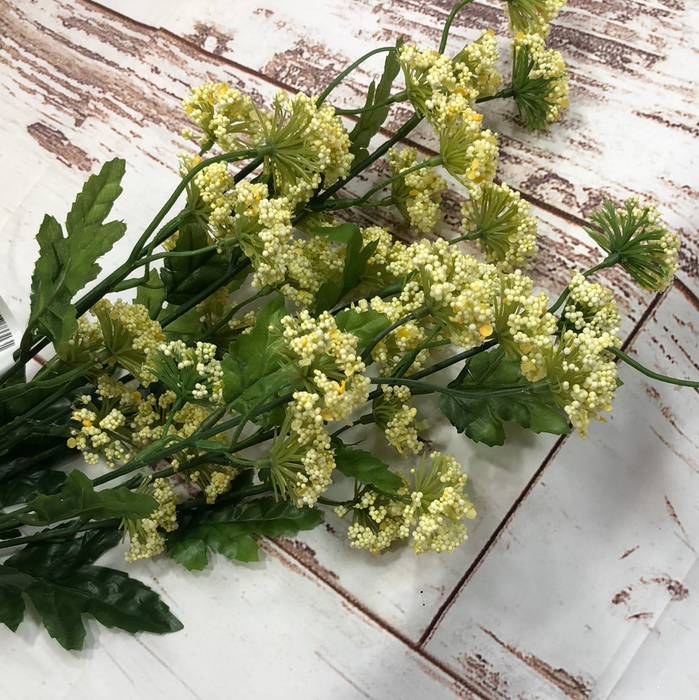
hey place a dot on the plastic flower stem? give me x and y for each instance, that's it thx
(413, 316)
(206, 293)
(324, 95)
(609, 261)
(398, 97)
(347, 203)
(470, 236)
(437, 367)
(507, 92)
(448, 23)
(233, 311)
(153, 456)
(61, 532)
(458, 393)
(364, 164)
(650, 373)
(57, 395)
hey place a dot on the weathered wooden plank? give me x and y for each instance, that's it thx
(599, 549)
(251, 631)
(633, 120)
(85, 50)
(667, 669)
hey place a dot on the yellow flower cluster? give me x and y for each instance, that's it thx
(545, 64)
(310, 146)
(419, 194)
(329, 360)
(442, 89)
(532, 16)
(226, 116)
(434, 516)
(499, 221)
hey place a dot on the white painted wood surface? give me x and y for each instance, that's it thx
(579, 576)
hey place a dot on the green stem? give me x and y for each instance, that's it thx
(232, 312)
(650, 373)
(337, 204)
(609, 261)
(398, 97)
(458, 393)
(324, 95)
(206, 293)
(454, 359)
(413, 316)
(470, 236)
(150, 456)
(503, 94)
(448, 23)
(56, 396)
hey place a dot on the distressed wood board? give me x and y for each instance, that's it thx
(82, 82)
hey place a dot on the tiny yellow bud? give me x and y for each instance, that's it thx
(486, 330)
(519, 36)
(414, 193)
(87, 423)
(476, 117)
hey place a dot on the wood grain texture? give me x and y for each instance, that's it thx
(599, 550)
(633, 120)
(81, 83)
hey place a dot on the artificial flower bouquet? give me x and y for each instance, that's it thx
(225, 374)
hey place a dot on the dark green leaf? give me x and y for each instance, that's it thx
(370, 122)
(28, 485)
(12, 583)
(364, 325)
(66, 264)
(230, 530)
(251, 368)
(67, 586)
(78, 498)
(151, 294)
(57, 558)
(356, 257)
(183, 277)
(481, 419)
(367, 469)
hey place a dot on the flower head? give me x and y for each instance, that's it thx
(532, 16)
(539, 81)
(309, 146)
(419, 194)
(439, 505)
(468, 152)
(500, 223)
(226, 116)
(643, 245)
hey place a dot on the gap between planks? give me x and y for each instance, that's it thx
(540, 203)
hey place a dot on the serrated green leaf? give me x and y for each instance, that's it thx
(230, 530)
(183, 277)
(365, 325)
(12, 583)
(356, 258)
(78, 498)
(66, 264)
(481, 419)
(251, 368)
(367, 469)
(67, 586)
(370, 122)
